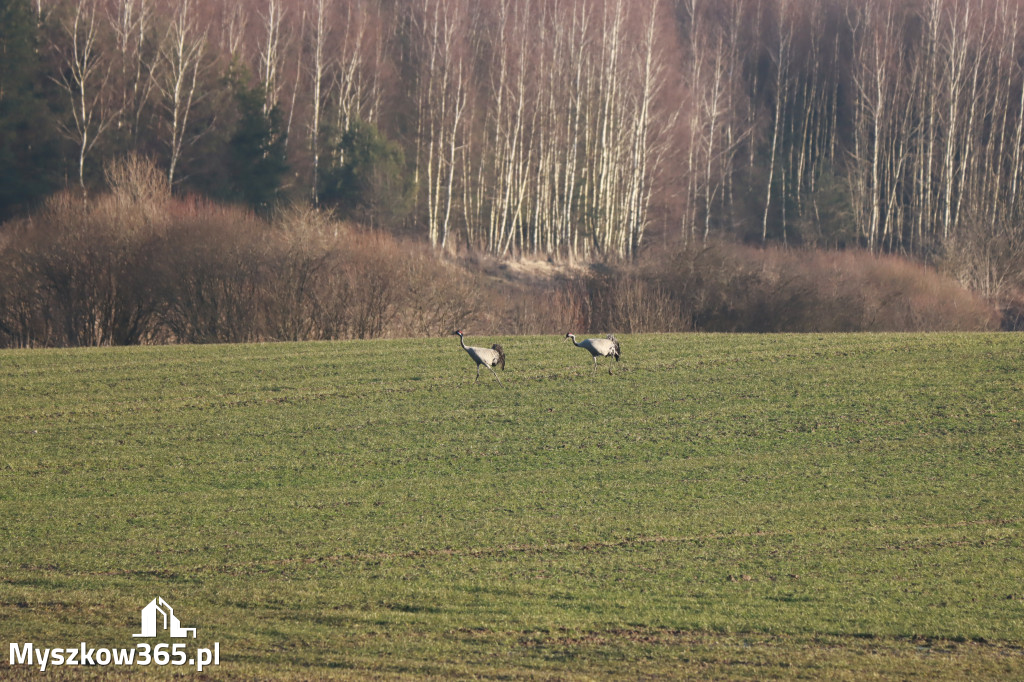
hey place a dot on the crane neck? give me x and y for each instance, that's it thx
(463, 342)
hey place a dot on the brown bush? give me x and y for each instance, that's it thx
(797, 290)
(138, 266)
(72, 279)
(209, 278)
(731, 287)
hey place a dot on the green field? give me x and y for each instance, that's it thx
(719, 506)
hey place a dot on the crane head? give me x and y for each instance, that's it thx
(570, 335)
(457, 331)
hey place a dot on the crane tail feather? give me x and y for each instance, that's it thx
(618, 349)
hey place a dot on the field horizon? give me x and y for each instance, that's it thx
(718, 506)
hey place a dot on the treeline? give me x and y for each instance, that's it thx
(577, 128)
(139, 266)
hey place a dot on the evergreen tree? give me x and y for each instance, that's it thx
(257, 159)
(29, 146)
(367, 179)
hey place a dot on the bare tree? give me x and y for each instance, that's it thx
(714, 135)
(85, 76)
(234, 27)
(270, 52)
(318, 69)
(781, 60)
(348, 82)
(646, 152)
(508, 121)
(131, 22)
(442, 97)
(182, 55)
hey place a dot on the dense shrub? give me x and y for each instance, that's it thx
(138, 266)
(141, 267)
(731, 287)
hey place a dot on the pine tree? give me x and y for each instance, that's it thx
(256, 150)
(367, 179)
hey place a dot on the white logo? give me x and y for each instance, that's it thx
(170, 621)
(142, 654)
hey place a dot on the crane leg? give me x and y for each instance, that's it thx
(495, 376)
(477, 374)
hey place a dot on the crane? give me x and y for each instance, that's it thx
(488, 357)
(599, 347)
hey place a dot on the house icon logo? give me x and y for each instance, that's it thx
(171, 624)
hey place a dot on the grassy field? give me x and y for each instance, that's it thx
(720, 506)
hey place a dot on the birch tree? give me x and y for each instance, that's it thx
(84, 77)
(781, 61)
(509, 144)
(442, 97)
(182, 56)
(646, 152)
(318, 69)
(271, 53)
(132, 22)
(349, 77)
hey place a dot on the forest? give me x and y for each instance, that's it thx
(579, 131)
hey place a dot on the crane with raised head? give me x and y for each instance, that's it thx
(599, 347)
(488, 357)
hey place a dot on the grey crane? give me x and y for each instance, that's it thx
(488, 357)
(599, 347)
